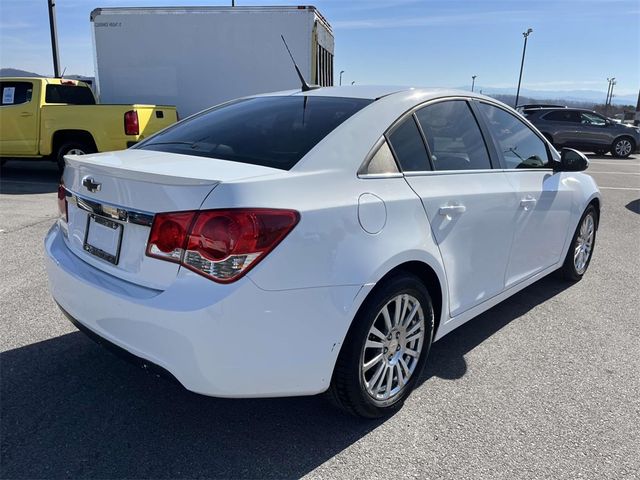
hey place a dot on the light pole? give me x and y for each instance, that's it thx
(473, 81)
(341, 72)
(524, 50)
(54, 37)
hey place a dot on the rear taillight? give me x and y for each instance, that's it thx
(131, 125)
(220, 244)
(63, 206)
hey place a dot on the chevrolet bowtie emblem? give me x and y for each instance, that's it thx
(90, 184)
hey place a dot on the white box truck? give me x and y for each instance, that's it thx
(197, 57)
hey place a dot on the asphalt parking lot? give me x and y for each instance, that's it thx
(545, 385)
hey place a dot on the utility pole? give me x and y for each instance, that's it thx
(607, 103)
(54, 38)
(524, 50)
(473, 81)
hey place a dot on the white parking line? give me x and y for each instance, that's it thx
(619, 188)
(614, 162)
(615, 173)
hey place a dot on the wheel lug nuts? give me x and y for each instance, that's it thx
(385, 350)
(398, 348)
(397, 334)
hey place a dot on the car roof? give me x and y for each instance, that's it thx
(374, 92)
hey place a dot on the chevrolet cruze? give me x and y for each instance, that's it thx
(303, 242)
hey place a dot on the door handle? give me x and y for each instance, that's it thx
(528, 202)
(452, 209)
(26, 114)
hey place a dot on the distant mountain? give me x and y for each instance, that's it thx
(15, 72)
(577, 96)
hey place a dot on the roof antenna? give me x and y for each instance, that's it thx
(305, 86)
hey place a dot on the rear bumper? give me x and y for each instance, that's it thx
(233, 340)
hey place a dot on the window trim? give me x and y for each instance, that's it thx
(534, 130)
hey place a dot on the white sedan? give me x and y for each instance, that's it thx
(302, 242)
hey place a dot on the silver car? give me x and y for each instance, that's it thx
(585, 130)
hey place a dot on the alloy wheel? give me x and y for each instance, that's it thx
(584, 244)
(623, 147)
(392, 349)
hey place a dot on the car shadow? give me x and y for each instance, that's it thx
(634, 205)
(71, 409)
(23, 177)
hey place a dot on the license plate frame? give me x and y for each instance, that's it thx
(96, 251)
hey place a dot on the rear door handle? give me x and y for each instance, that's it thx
(528, 202)
(26, 114)
(452, 209)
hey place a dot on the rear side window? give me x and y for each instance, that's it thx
(71, 94)
(15, 93)
(563, 116)
(453, 136)
(520, 146)
(269, 131)
(409, 148)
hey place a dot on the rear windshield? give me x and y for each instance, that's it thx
(71, 94)
(269, 131)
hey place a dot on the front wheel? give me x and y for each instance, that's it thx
(622, 147)
(73, 147)
(386, 349)
(581, 249)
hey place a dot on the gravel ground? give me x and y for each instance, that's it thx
(545, 385)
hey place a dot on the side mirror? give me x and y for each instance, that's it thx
(572, 161)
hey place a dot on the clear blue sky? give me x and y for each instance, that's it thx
(576, 44)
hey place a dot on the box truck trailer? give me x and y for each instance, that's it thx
(197, 57)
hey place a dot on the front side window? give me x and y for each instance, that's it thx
(587, 118)
(269, 131)
(454, 136)
(15, 93)
(520, 146)
(408, 146)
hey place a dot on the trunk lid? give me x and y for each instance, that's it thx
(112, 198)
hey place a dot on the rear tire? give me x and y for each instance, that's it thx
(378, 367)
(72, 147)
(622, 147)
(582, 244)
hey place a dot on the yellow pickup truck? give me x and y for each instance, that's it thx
(53, 117)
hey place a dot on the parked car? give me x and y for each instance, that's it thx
(53, 117)
(303, 242)
(585, 130)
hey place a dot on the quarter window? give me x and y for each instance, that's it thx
(409, 148)
(382, 162)
(453, 136)
(520, 146)
(14, 93)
